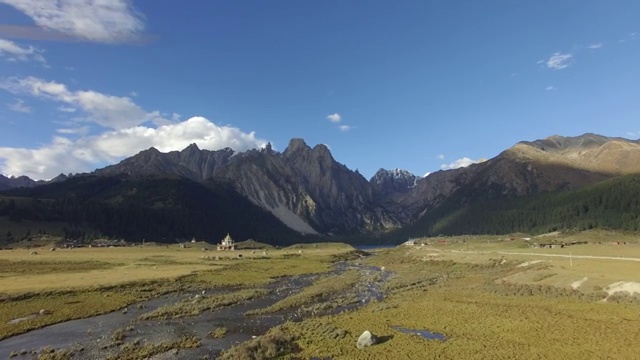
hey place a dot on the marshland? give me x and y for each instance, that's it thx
(484, 297)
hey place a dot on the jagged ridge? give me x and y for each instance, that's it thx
(310, 192)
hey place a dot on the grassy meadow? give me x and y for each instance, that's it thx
(490, 305)
(491, 297)
(81, 282)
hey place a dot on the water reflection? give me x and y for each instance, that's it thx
(422, 333)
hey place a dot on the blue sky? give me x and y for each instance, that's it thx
(418, 85)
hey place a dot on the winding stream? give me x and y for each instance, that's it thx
(94, 334)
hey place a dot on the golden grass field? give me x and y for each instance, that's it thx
(82, 282)
(467, 303)
(486, 295)
(592, 261)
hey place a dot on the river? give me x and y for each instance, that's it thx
(94, 334)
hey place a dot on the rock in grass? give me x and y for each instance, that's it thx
(366, 339)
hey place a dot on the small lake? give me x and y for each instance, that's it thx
(426, 334)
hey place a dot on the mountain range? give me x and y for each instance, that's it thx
(304, 191)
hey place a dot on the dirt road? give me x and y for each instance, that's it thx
(547, 255)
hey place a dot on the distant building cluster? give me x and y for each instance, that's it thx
(441, 240)
(559, 245)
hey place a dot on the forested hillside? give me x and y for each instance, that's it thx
(611, 204)
(154, 209)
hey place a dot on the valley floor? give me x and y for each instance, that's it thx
(490, 297)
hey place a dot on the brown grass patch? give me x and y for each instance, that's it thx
(196, 306)
(136, 351)
(480, 318)
(272, 345)
(321, 289)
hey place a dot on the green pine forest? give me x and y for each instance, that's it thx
(153, 209)
(611, 204)
(170, 210)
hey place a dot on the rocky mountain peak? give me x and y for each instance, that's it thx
(268, 149)
(15, 182)
(191, 153)
(393, 181)
(592, 152)
(321, 150)
(558, 143)
(296, 146)
(60, 177)
(311, 193)
(150, 152)
(193, 147)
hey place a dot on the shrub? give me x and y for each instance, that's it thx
(273, 344)
(218, 333)
(542, 276)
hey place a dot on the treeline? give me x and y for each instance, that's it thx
(154, 209)
(612, 204)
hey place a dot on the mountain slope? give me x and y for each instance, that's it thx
(191, 163)
(556, 163)
(595, 153)
(155, 209)
(304, 187)
(15, 182)
(389, 182)
(305, 190)
(266, 180)
(552, 165)
(612, 204)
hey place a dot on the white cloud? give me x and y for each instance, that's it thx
(133, 94)
(334, 118)
(550, 88)
(559, 61)
(345, 127)
(40, 163)
(630, 37)
(595, 46)
(460, 163)
(106, 110)
(108, 21)
(67, 109)
(199, 130)
(84, 154)
(440, 156)
(13, 52)
(74, 131)
(20, 106)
